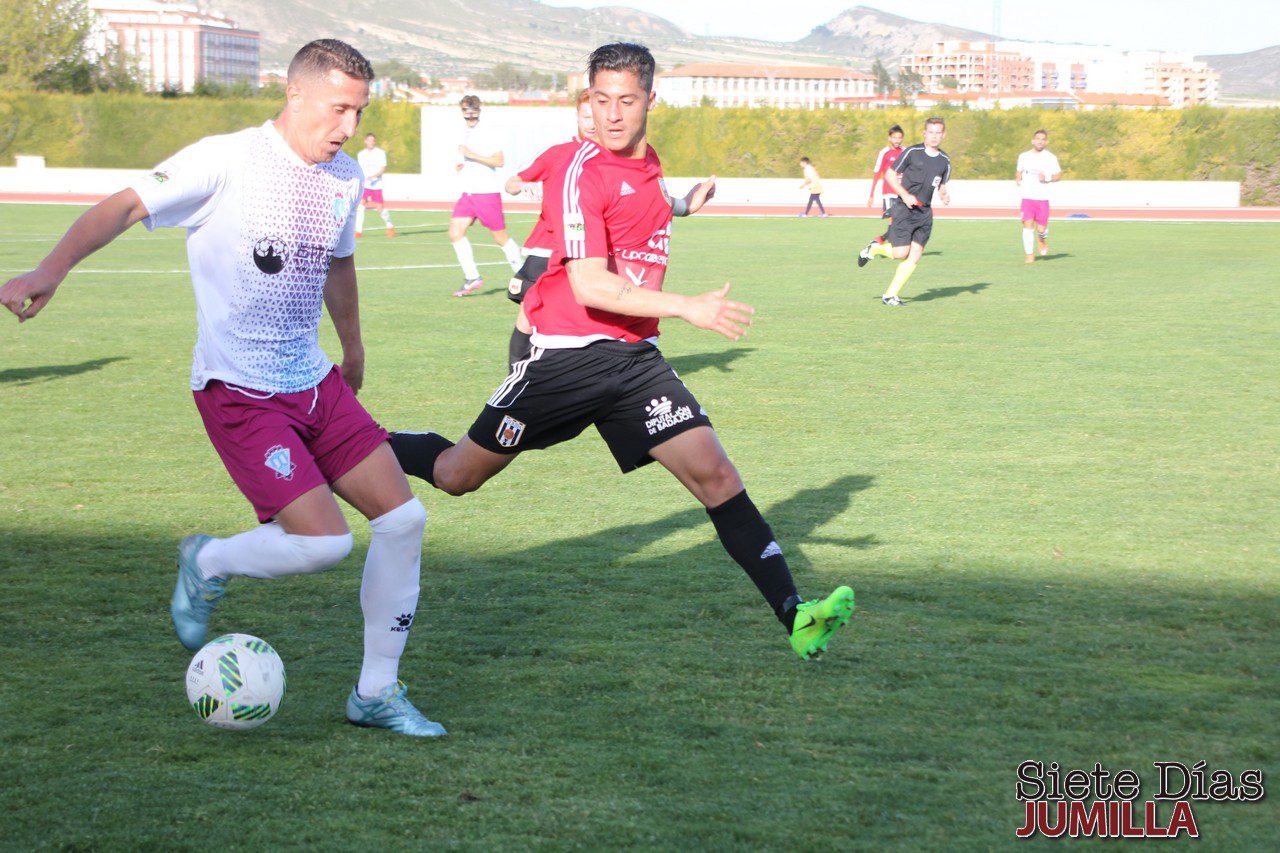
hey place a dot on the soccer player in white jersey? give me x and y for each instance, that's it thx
(373, 162)
(1036, 169)
(269, 237)
(481, 158)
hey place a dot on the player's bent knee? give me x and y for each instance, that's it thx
(318, 553)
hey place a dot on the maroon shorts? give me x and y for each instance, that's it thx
(1034, 210)
(374, 196)
(487, 207)
(277, 447)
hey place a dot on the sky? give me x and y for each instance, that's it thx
(1183, 26)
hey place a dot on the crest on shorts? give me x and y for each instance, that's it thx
(278, 460)
(509, 431)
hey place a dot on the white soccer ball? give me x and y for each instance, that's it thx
(235, 682)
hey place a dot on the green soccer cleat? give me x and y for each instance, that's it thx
(391, 709)
(194, 597)
(816, 621)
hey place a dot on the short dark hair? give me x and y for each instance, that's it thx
(1040, 131)
(470, 102)
(622, 56)
(897, 128)
(935, 120)
(804, 159)
(317, 58)
(367, 135)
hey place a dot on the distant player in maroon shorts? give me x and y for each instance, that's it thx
(480, 157)
(595, 361)
(270, 237)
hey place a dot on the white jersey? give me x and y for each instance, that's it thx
(477, 178)
(372, 160)
(262, 226)
(1032, 164)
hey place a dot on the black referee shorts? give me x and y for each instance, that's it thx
(627, 390)
(910, 224)
(526, 277)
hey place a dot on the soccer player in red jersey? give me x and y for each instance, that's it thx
(594, 360)
(884, 162)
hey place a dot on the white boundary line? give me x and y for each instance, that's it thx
(185, 270)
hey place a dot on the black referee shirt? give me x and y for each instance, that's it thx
(921, 174)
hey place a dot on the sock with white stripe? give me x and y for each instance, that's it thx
(511, 250)
(466, 258)
(1028, 241)
(268, 552)
(749, 540)
(389, 593)
(360, 219)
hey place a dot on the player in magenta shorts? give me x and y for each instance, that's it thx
(1036, 170)
(270, 239)
(595, 360)
(373, 162)
(481, 158)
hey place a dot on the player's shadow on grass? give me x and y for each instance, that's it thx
(1053, 257)
(28, 375)
(721, 361)
(946, 292)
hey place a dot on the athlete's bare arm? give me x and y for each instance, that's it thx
(595, 287)
(494, 160)
(700, 195)
(895, 184)
(342, 299)
(96, 227)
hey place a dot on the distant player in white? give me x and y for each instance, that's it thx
(373, 162)
(270, 237)
(1036, 169)
(480, 159)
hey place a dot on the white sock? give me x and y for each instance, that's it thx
(466, 258)
(389, 593)
(1028, 242)
(268, 552)
(386, 216)
(512, 250)
(360, 219)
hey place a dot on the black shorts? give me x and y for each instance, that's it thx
(526, 277)
(627, 390)
(910, 224)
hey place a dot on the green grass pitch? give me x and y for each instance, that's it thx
(1053, 487)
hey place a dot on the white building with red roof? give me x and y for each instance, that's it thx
(739, 85)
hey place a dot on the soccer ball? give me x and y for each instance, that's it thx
(235, 682)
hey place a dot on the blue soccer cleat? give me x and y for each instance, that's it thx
(195, 597)
(391, 709)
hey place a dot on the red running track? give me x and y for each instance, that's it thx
(1188, 214)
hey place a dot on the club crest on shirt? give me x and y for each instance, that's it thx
(270, 255)
(341, 207)
(160, 177)
(278, 461)
(510, 431)
(662, 185)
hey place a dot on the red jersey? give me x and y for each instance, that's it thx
(613, 208)
(548, 169)
(884, 162)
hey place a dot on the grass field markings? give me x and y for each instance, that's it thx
(27, 375)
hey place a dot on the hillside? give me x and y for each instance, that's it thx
(1254, 74)
(866, 32)
(450, 36)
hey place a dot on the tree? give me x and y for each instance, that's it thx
(884, 80)
(398, 72)
(43, 44)
(949, 83)
(909, 83)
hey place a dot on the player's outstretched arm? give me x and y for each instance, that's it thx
(698, 196)
(595, 287)
(27, 294)
(341, 297)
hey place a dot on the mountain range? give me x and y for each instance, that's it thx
(464, 36)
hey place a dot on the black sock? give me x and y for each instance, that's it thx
(747, 537)
(518, 349)
(417, 452)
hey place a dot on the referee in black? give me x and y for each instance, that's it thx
(918, 173)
